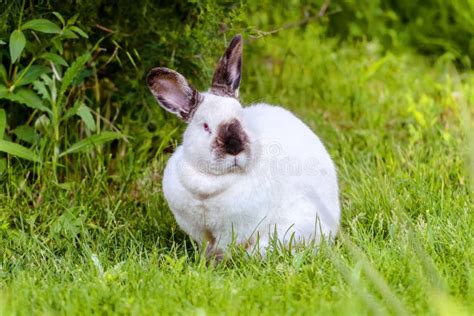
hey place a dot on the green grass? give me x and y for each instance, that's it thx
(398, 127)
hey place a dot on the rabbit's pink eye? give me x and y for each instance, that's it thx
(206, 127)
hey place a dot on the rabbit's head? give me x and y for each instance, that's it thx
(215, 141)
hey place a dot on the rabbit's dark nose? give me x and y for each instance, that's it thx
(231, 138)
(233, 145)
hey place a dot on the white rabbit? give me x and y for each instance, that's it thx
(244, 175)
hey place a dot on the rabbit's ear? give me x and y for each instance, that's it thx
(226, 80)
(173, 92)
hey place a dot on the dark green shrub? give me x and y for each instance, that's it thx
(126, 39)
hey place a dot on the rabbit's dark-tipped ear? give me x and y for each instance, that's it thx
(173, 92)
(226, 80)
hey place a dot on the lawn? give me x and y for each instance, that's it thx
(398, 126)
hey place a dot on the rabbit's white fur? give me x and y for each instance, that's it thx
(287, 184)
(244, 175)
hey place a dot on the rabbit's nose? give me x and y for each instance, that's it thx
(231, 138)
(233, 145)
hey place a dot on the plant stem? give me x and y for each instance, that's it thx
(56, 137)
(21, 15)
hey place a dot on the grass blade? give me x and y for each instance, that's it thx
(18, 151)
(3, 73)
(3, 167)
(90, 142)
(3, 123)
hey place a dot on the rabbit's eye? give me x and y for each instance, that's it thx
(206, 128)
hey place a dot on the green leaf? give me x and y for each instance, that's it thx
(42, 124)
(68, 34)
(55, 58)
(18, 151)
(71, 111)
(42, 25)
(48, 80)
(25, 96)
(40, 87)
(3, 122)
(90, 142)
(17, 44)
(3, 165)
(2, 42)
(83, 74)
(3, 91)
(73, 19)
(31, 74)
(59, 16)
(79, 31)
(86, 116)
(3, 73)
(58, 45)
(71, 73)
(26, 133)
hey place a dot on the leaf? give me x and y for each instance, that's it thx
(55, 58)
(86, 116)
(26, 133)
(59, 16)
(42, 25)
(3, 91)
(3, 165)
(47, 79)
(42, 124)
(17, 44)
(58, 45)
(31, 74)
(3, 73)
(18, 151)
(2, 42)
(83, 74)
(68, 34)
(79, 31)
(92, 141)
(40, 87)
(73, 19)
(72, 72)
(3, 122)
(71, 111)
(27, 97)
